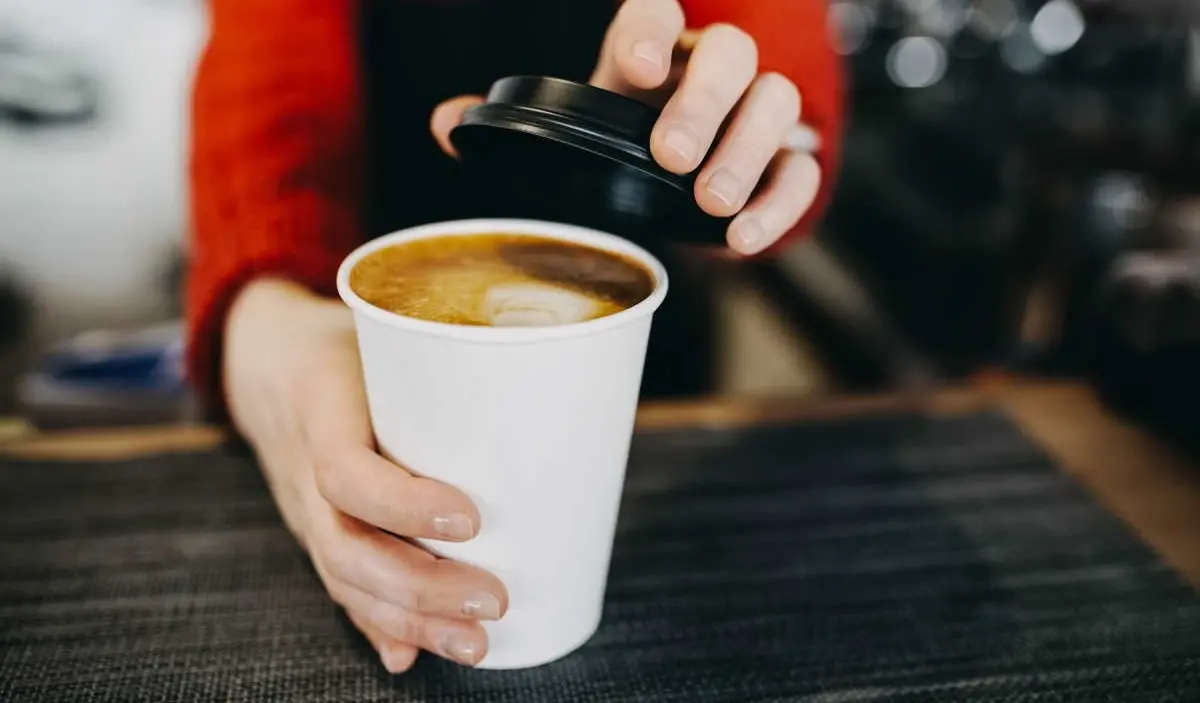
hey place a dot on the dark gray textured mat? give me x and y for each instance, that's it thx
(890, 559)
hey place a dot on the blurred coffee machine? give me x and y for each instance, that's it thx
(1003, 156)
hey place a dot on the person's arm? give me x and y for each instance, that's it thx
(275, 174)
(793, 39)
(276, 183)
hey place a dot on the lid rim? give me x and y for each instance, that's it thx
(543, 124)
(505, 90)
(509, 114)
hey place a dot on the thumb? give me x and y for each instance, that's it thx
(447, 116)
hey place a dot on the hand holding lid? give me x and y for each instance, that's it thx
(678, 137)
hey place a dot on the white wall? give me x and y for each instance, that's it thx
(91, 215)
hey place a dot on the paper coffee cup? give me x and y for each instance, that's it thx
(533, 423)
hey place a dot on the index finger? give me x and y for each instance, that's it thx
(361, 483)
(640, 41)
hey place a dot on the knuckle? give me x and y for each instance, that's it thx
(410, 517)
(802, 169)
(424, 633)
(749, 156)
(806, 163)
(395, 621)
(781, 94)
(410, 599)
(423, 588)
(707, 101)
(332, 476)
(801, 180)
(340, 565)
(736, 44)
(413, 589)
(442, 571)
(436, 583)
(422, 600)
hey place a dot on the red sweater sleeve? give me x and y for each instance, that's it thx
(275, 174)
(793, 39)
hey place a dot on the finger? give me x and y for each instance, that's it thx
(769, 111)
(447, 116)
(720, 70)
(400, 573)
(793, 180)
(639, 45)
(357, 481)
(397, 656)
(459, 640)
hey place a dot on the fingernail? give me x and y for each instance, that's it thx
(747, 236)
(456, 526)
(726, 187)
(483, 606)
(649, 52)
(459, 647)
(681, 141)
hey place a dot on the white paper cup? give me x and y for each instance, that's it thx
(533, 423)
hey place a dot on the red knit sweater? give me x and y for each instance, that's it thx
(268, 198)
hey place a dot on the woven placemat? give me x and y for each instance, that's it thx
(894, 559)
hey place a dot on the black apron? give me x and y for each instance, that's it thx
(418, 54)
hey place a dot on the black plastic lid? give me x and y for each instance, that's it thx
(574, 153)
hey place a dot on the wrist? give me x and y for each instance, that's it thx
(266, 293)
(263, 315)
(270, 300)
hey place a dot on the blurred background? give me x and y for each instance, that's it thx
(93, 104)
(1019, 193)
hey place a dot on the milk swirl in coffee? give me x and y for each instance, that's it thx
(500, 280)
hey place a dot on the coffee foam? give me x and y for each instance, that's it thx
(536, 305)
(499, 280)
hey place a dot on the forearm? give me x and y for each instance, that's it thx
(275, 168)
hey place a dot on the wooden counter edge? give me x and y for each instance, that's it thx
(714, 413)
(1142, 481)
(113, 444)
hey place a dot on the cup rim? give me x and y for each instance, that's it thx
(505, 335)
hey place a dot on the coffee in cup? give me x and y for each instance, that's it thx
(500, 280)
